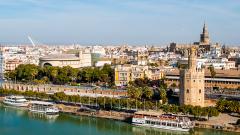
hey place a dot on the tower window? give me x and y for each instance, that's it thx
(193, 80)
(200, 91)
(187, 90)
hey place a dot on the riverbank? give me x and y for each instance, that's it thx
(74, 110)
(223, 122)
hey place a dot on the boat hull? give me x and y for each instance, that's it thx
(16, 104)
(163, 127)
(45, 112)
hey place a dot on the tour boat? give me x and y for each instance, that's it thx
(43, 107)
(18, 101)
(163, 121)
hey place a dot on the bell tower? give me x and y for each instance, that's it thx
(204, 37)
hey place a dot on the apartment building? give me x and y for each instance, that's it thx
(126, 73)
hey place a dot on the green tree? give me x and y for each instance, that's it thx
(163, 95)
(212, 72)
(212, 111)
(220, 105)
(147, 92)
(134, 92)
(26, 72)
(196, 111)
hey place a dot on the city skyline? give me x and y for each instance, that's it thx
(114, 22)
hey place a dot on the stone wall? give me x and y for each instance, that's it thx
(58, 88)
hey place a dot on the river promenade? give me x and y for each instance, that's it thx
(222, 122)
(15, 121)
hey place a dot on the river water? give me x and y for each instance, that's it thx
(15, 121)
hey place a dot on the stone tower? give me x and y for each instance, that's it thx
(204, 37)
(192, 82)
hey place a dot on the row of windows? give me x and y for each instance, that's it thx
(163, 123)
(123, 74)
(123, 78)
(208, 81)
(70, 62)
(194, 81)
(134, 74)
(123, 83)
(189, 99)
(200, 91)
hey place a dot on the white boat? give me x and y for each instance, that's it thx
(18, 101)
(43, 107)
(163, 121)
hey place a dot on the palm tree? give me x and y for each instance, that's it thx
(213, 73)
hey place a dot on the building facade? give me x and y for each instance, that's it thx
(2, 65)
(192, 82)
(126, 73)
(83, 59)
(11, 65)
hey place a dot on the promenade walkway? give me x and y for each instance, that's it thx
(69, 90)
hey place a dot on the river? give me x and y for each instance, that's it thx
(14, 121)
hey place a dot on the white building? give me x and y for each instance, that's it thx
(83, 59)
(215, 51)
(98, 49)
(2, 65)
(219, 63)
(102, 63)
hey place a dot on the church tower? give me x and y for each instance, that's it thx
(204, 37)
(192, 82)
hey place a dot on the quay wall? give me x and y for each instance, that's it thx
(218, 127)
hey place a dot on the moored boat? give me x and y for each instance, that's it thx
(163, 121)
(43, 107)
(18, 101)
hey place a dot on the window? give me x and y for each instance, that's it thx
(193, 80)
(187, 90)
(200, 91)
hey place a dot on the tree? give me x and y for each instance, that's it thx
(134, 92)
(163, 95)
(212, 111)
(185, 109)
(26, 72)
(220, 105)
(60, 96)
(196, 111)
(147, 92)
(10, 75)
(228, 106)
(212, 72)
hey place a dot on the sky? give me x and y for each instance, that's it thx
(135, 22)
